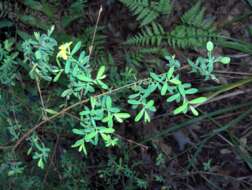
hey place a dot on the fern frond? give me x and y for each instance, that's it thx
(194, 31)
(147, 11)
(150, 35)
(195, 17)
(137, 57)
(188, 36)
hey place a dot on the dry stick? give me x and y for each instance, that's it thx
(68, 109)
(80, 103)
(95, 30)
(18, 142)
(47, 120)
(41, 98)
(71, 107)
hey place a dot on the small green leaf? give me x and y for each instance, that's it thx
(67, 92)
(122, 115)
(181, 108)
(84, 78)
(108, 102)
(150, 104)
(100, 73)
(146, 117)
(225, 60)
(102, 84)
(41, 163)
(155, 77)
(38, 54)
(67, 66)
(56, 78)
(76, 48)
(198, 100)
(139, 115)
(78, 143)
(90, 136)
(134, 95)
(81, 144)
(175, 81)
(106, 130)
(194, 111)
(170, 73)
(79, 132)
(105, 137)
(50, 111)
(134, 102)
(191, 91)
(93, 102)
(173, 97)
(210, 46)
(164, 89)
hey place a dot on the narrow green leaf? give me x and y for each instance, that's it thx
(164, 89)
(122, 115)
(106, 130)
(175, 81)
(194, 111)
(67, 66)
(139, 115)
(146, 117)
(173, 97)
(191, 91)
(134, 102)
(50, 111)
(76, 48)
(170, 73)
(84, 78)
(90, 136)
(79, 132)
(100, 73)
(198, 100)
(180, 109)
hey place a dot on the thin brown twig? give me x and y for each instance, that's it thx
(130, 141)
(63, 111)
(41, 98)
(91, 47)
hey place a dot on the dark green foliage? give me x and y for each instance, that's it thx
(194, 31)
(147, 11)
(151, 35)
(8, 62)
(86, 100)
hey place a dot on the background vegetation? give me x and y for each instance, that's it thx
(125, 94)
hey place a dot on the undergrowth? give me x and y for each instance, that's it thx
(64, 98)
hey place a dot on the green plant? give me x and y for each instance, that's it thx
(37, 54)
(205, 66)
(168, 84)
(98, 119)
(102, 111)
(194, 31)
(118, 169)
(8, 60)
(68, 96)
(147, 10)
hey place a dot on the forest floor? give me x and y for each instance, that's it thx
(210, 152)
